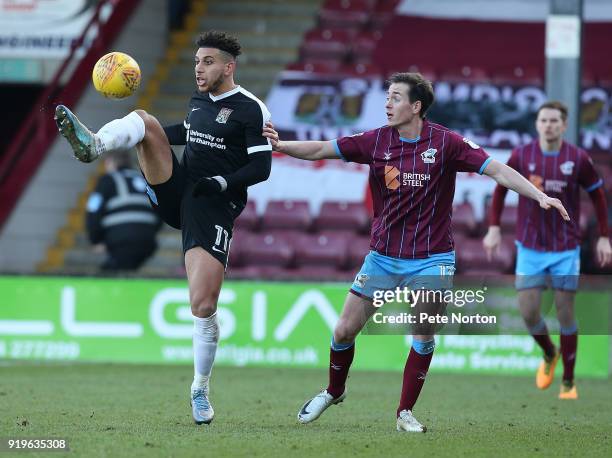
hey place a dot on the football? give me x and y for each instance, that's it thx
(116, 75)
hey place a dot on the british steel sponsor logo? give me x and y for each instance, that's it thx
(416, 180)
(554, 185)
(537, 181)
(391, 177)
(394, 178)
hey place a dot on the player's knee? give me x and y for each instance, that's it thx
(343, 333)
(203, 305)
(152, 126)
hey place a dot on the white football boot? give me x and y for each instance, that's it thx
(201, 409)
(407, 422)
(86, 145)
(313, 408)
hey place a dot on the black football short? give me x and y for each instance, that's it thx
(205, 221)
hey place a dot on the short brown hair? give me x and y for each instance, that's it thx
(419, 89)
(221, 41)
(555, 105)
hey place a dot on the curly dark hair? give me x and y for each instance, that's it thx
(221, 41)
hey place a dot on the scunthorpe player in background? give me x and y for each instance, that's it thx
(547, 245)
(203, 194)
(413, 166)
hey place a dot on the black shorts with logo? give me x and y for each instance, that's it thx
(205, 221)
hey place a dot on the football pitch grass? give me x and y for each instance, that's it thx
(136, 410)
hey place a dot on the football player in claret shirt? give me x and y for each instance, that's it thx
(413, 166)
(202, 195)
(547, 245)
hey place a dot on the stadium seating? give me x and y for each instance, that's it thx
(464, 220)
(465, 73)
(287, 214)
(471, 258)
(248, 219)
(363, 46)
(266, 249)
(322, 249)
(517, 74)
(350, 216)
(345, 13)
(358, 248)
(326, 44)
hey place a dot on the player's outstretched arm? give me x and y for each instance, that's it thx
(511, 179)
(307, 150)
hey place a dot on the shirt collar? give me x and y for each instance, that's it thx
(224, 95)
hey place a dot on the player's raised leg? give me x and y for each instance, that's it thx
(355, 314)
(205, 276)
(564, 301)
(118, 134)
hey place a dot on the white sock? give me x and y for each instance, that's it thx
(205, 339)
(124, 133)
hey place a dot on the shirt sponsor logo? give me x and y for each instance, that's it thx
(554, 186)
(391, 177)
(394, 178)
(567, 168)
(429, 156)
(387, 156)
(416, 180)
(537, 181)
(223, 115)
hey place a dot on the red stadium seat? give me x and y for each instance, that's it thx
(464, 219)
(345, 13)
(471, 257)
(326, 44)
(287, 214)
(384, 10)
(240, 240)
(336, 215)
(322, 249)
(358, 248)
(322, 66)
(518, 75)
(363, 46)
(465, 73)
(317, 273)
(361, 69)
(268, 249)
(509, 218)
(248, 219)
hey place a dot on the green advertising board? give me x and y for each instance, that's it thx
(261, 324)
